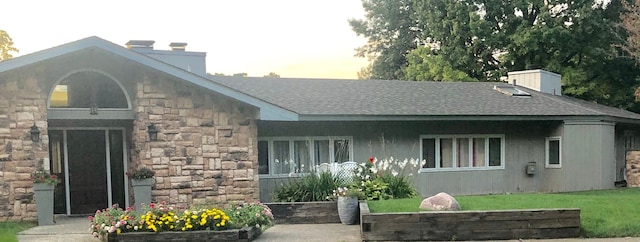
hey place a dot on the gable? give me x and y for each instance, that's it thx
(268, 111)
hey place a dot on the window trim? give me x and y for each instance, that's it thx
(291, 140)
(547, 152)
(454, 154)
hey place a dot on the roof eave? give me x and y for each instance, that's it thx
(463, 118)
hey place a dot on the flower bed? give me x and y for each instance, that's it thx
(162, 222)
(469, 225)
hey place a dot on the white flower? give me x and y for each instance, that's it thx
(135, 227)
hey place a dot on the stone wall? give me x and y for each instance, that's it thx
(633, 168)
(22, 103)
(207, 144)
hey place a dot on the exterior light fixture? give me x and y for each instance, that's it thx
(35, 133)
(153, 132)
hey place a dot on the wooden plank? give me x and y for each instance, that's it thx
(499, 215)
(473, 225)
(305, 212)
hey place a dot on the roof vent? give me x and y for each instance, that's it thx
(178, 46)
(140, 44)
(511, 91)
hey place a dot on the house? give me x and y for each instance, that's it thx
(474, 137)
(96, 106)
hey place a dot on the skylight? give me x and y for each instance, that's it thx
(511, 91)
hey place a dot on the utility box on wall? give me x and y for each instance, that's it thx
(531, 168)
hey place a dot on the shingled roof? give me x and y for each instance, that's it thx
(333, 99)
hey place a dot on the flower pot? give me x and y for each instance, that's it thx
(348, 210)
(141, 191)
(43, 193)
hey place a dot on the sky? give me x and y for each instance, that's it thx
(293, 38)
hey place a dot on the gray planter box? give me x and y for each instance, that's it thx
(142, 191)
(44, 202)
(243, 234)
(305, 212)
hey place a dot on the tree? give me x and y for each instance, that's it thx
(272, 74)
(243, 74)
(391, 32)
(630, 21)
(467, 40)
(6, 46)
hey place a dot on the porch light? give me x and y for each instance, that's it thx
(153, 132)
(35, 133)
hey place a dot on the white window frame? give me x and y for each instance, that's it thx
(454, 139)
(310, 139)
(547, 152)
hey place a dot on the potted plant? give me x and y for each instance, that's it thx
(141, 181)
(43, 185)
(348, 204)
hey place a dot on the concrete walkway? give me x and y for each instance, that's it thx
(77, 229)
(65, 229)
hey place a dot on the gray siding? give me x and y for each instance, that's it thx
(588, 160)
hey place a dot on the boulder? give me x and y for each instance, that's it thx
(440, 202)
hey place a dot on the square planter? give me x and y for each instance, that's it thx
(142, 191)
(43, 193)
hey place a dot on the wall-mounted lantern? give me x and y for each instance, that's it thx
(153, 132)
(35, 133)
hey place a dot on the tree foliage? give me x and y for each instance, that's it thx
(6, 46)
(391, 32)
(272, 74)
(481, 40)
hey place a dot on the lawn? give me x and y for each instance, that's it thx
(9, 229)
(605, 213)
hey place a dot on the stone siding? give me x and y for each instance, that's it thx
(22, 103)
(207, 144)
(633, 168)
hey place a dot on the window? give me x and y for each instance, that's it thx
(553, 148)
(88, 89)
(462, 152)
(282, 156)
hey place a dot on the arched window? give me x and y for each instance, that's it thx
(88, 89)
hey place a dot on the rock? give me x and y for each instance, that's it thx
(440, 202)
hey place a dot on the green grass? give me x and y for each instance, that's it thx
(606, 213)
(10, 229)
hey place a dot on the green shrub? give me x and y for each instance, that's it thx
(398, 186)
(309, 188)
(251, 215)
(375, 189)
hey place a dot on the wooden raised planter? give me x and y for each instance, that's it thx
(244, 234)
(305, 212)
(469, 225)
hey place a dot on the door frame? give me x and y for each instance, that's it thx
(125, 160)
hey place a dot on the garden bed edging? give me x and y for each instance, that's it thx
(305, 212)
(469, 225)
(243, 235)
